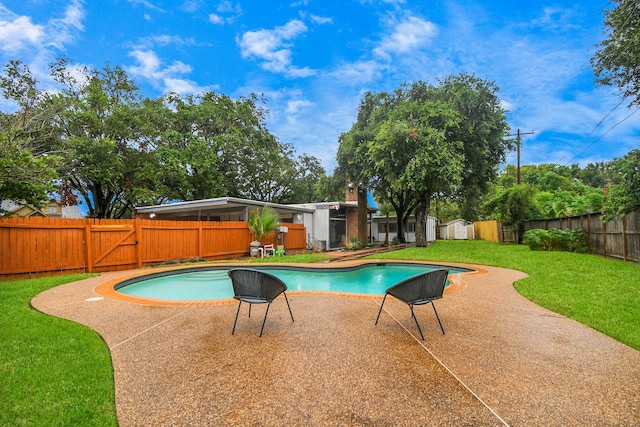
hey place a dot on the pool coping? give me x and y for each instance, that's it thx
(108, 289)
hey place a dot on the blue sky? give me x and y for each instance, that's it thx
(314, 59)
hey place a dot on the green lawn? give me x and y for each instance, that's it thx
(598, 292)
(59, 373)
(53, 372)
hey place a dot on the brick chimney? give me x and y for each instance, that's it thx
(351, 193)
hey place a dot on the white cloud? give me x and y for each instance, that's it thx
(18, 32)
(163, 40)
(321, 19)
(164, 78)
(181, 86)
(554, 18)
(296, 106)
(357, 72)
(226, 6)
(145, 3)
(192, 5)
(62, 30)
(272, 47)
(409, 34)
(216, 19)
(227, 13)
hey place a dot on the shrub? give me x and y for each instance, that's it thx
(352, 244)
(557, 240)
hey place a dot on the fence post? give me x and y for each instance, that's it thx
(625, 247)
(604, 238)
(200, 240)
(589, 245)
(88, 244)
(138, 238)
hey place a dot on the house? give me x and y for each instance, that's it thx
(52, 209)
(457, 229)
(328, 224)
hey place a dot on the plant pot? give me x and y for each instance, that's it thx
(254, 248)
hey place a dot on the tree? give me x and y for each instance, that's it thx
(513, 205)
(594, 175)
(329, 188)
(421, 142)
(309, 173)
(111, 166)
(28, 166)
(263, 222)
(482, 128)
(352, 156)
(416, 147)
(198, 145)
(617, 62)
(624, 193)
(267, 173)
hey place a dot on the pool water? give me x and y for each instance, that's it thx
(211, 284)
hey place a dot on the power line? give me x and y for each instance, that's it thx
(601, 136)
(557, 163)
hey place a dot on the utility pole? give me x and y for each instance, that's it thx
(518, 146)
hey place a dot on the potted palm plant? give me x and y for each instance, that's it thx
(263, 222)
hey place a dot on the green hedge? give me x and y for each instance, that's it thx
(557, 240)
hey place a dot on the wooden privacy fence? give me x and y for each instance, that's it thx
(619, 238)
(39, 245)
(486, 230)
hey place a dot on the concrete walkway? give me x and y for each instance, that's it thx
(503, 361)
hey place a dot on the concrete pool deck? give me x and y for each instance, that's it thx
(503, 360)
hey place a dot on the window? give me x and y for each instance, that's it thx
(382, 227)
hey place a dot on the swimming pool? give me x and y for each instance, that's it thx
(213, 283)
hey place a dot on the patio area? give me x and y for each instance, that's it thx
(503, 360)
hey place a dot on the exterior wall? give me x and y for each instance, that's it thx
(351, 193)
(319, 238)
(410, 236)
(456, 230)
(352, 224)
(52, 209)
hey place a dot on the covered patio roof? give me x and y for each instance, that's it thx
(218, 209)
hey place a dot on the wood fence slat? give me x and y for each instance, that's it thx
(618, 238)
(41, 245)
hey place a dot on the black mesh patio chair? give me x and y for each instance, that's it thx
(256, 287)
(420, 289)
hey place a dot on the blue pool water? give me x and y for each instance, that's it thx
(214, 283)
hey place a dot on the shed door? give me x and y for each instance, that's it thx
(461, 231)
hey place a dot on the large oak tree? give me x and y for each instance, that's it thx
(423, 141)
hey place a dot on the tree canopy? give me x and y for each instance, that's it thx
(617, 61)
(624, 193)
(29, 167)
(424, 141)
(98, 138)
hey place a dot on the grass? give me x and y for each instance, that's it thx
(54, 372)
(598, 292)
(59, 373)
